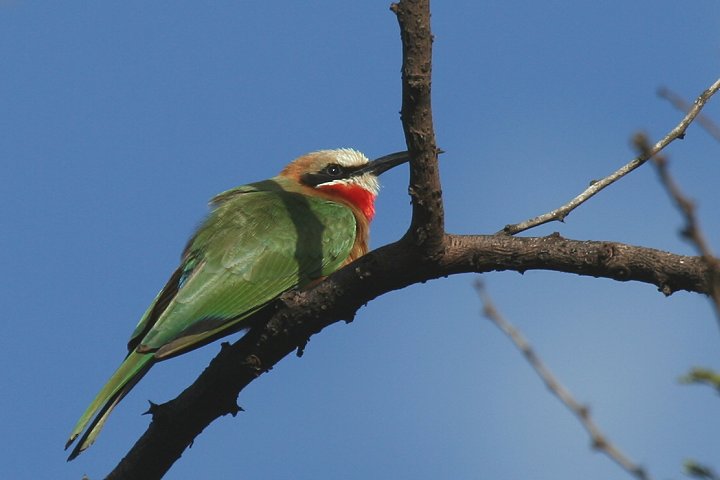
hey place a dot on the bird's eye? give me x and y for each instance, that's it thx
(334, 170)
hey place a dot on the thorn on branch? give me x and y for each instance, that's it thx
(665, 289)
(678, 102)
(234, 409)
(152, 410)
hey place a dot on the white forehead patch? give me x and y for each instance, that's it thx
(348, 157)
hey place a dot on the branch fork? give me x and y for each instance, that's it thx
(425, 252)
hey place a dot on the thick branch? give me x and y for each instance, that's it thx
(617, 261)
(289, 324)
(424, 253)
(427, 226)
(177, 423)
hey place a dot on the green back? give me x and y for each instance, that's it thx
(261, 240)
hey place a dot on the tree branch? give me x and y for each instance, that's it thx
(692, 231)
(582, 412)
(288, 324)
(176, 423)
(560, 213)
(617, 261)
(423, 253)
(427, 226)
(678, 102)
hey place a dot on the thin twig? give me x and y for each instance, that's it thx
(599, 441)
(678, 102)
(560, 213)
(692, 231)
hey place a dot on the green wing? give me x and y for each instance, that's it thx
(260, 241)
(255, 245)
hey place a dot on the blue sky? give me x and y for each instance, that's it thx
(121, 119)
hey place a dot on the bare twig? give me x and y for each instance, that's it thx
(599, 441)
(560, 213)
(691, 231)
(678, 102)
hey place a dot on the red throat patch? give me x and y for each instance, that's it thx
(355, 195)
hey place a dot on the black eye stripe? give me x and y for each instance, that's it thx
(329, 173)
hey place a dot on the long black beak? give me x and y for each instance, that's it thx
(384, 163)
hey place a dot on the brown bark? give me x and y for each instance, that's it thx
(425, 252)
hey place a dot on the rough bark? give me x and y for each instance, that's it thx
(425, 252)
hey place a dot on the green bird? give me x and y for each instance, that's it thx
(259, 241)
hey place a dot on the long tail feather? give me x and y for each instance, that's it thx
(133, 368)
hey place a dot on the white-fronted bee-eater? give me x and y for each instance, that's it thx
(259, 241)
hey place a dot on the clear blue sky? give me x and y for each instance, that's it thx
(119, 120)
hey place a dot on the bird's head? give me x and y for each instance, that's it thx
(344, 175)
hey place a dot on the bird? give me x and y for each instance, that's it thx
(258, 241)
